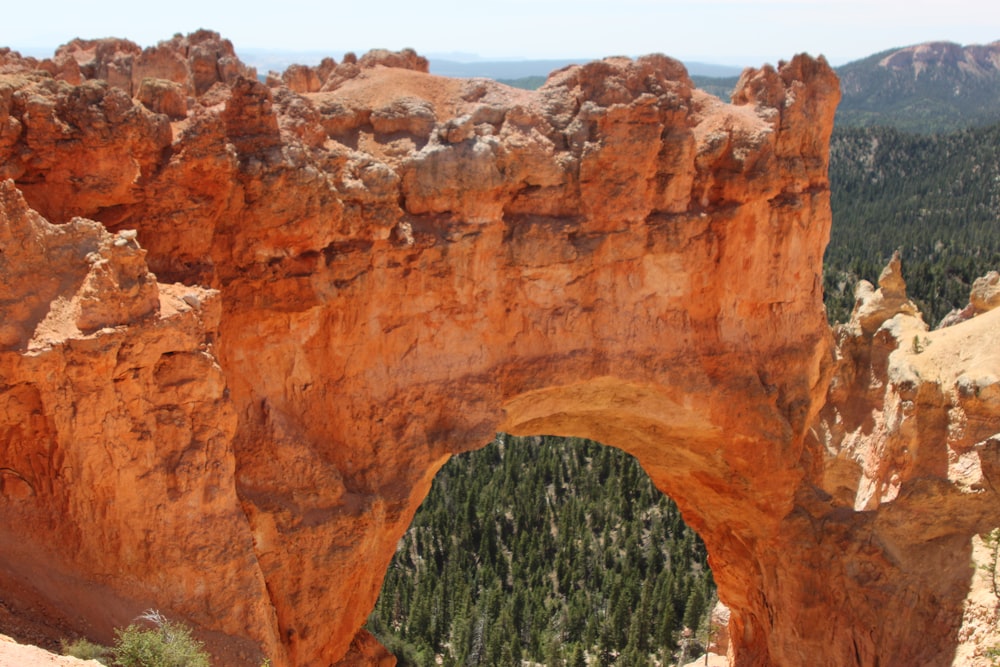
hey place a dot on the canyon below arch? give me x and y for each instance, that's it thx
(244, 324)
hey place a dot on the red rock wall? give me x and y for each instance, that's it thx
(402, 265)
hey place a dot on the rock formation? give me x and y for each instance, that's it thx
(985, 296)
(360, 274)
(328, 75)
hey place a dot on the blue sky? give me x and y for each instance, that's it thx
(734, 32)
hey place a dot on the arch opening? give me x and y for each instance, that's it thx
(719, 467)
(550, 550)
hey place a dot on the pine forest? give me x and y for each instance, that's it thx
(545, 550)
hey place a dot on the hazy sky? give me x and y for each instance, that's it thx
(738, 32)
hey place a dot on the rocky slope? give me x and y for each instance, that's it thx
(336, 282)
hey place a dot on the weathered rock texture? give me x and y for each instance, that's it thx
(909, 443)
(396, 266)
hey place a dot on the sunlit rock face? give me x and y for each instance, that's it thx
(354, 283)
(910, 441)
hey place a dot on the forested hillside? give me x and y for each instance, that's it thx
(933, 87)
(525, 82)
(935, 197)
(548, 550)
(721, 87)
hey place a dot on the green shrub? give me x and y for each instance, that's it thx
(169, 644)
(84, 649)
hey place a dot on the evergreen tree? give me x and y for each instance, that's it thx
(694, 609)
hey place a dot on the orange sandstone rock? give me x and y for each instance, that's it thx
(328, 75)
(78, 150)
(909, 443)
(399, 265)
(198, 60)
(116, 431)
(162, 96)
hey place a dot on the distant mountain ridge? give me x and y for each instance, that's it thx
(930, 87)
(976, 60)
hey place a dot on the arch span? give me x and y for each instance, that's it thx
(664, 298)
(400, 265)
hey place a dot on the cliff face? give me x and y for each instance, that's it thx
(905, 477)
(117, 431)
(359, 279)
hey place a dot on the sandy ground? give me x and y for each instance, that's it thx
(971, 348)
(13, 654)
(709, 660)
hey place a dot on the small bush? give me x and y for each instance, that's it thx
(84, 649)
(169, 644)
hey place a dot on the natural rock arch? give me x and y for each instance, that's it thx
(397, 266)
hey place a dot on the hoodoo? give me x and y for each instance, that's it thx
(243, 325)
